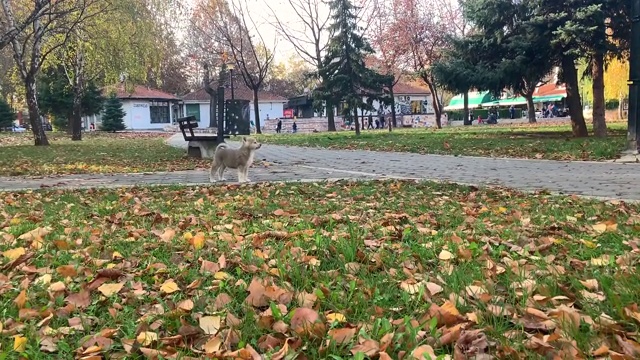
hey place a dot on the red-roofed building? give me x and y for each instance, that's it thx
(144, 108)
(270, 105)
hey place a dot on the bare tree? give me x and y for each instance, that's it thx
(248, 51)
(10, 27)
(44, 36)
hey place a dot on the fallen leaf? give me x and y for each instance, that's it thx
(21, 299)
(146, 338)
(343, 335)
(36, 233)
(79, 300)
(595, 297)
(186, 305)
(423, 352)
(210, 324)
(591, 284)
(57, 286)
(445, 255)
(600, 227)
(19, 343)
(212, 345)
(13, 254)
(434, 288)
(221, 275)
(67, 270)
(168, 235)
(306, 321)
(169, 287)
(336, 317)
(369, 348)
(110, 289)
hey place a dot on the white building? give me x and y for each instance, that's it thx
(410, 100)
(270, 105)
(145, 108)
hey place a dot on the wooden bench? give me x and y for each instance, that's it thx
(200, 145)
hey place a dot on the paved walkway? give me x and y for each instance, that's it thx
(603, 180)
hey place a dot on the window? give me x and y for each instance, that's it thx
(193, 110)
(159, 112)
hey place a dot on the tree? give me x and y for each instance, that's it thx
(45, 35)
(56, 98)
(289, 79)
(113, 117)
(421, 30)
(7, 115)
(615, 83)
(249, 51)
(12, 27)
(347, 77)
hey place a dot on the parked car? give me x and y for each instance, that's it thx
(18, 129)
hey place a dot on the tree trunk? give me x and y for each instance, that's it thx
(331, 122)
(39, 136)
(256, 111)
(531, 109)
(599, 120)
(393, 108)
(466, 109)
(213, 110)
(578, 125)
(76, 118)
(620, 106)
(355, 111)
(437, 109)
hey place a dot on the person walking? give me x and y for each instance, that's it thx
(279, 126)
(294, 127)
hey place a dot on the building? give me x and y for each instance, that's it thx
(145, 108)
(270, 105)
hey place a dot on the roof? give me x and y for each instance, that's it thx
(407, 89)
(551, 89)
(476, 99)
(139, 92)
(240, 92)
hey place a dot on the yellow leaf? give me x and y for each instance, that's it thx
(36, 233)
(221, 275)
(15, 221)
(336, 317)
(502, 209)
(210, 324)
(13, 254)
(44, 279)
(445, 255)
(197, 241)
(411, 288)
(169, 287)
(600, 227)
(601, 261)
(589, 244)
(19, 343)
(146, 338)
(187, 236)
(110, 289)
(116, 255)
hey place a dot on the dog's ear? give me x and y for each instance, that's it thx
(244, 139)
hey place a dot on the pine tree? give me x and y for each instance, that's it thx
(7, 116)
(113, 117)
(347, 78)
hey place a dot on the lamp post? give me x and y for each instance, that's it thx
(633, 134)
(230, 66)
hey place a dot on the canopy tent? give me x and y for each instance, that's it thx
(547, 98)
(476, 99)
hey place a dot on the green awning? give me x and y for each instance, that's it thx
(506, 102)
(476, 99)
(548, 98)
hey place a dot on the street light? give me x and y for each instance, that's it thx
(633, 135)
(230, 66)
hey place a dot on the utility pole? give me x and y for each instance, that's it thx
(633, 134)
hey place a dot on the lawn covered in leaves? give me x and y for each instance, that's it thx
(538, 141)
(96, 153)
(386, 270)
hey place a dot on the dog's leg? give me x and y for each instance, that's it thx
(212, 171)
(246, 174)
(221, 172)
(241, 174)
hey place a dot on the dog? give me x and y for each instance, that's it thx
(240, 159)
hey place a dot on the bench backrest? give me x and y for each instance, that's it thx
(187, 124)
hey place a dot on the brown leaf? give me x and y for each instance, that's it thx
(80, 300)
(212, 345)
(370, 348)
(422, 352)
(343, 335)
(168, 235)
(21, 299)
(306, 321)
(471, 343)
(186, 305)
(67, 270)
(110, 289)
(210, 324)
(37, 233)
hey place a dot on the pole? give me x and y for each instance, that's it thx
(232, 93)
(220, 131)
(633, 134)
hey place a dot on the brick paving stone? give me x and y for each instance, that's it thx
(607, 180)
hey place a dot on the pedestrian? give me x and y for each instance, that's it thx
(294, 127)
(512, 112)
(279, 126)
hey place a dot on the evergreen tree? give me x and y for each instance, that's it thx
(7, 116)
(346, 78)
(113, 117)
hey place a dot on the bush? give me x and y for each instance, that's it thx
(113, 118)
(7, 116)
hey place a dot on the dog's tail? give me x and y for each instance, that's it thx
(221, 146)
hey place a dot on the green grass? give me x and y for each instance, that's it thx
(541, 141)
(96, 153)
(394, 262)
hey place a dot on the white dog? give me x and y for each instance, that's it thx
(240, 159)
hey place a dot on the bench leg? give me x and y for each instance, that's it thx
(205, 149)
(194, 151)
